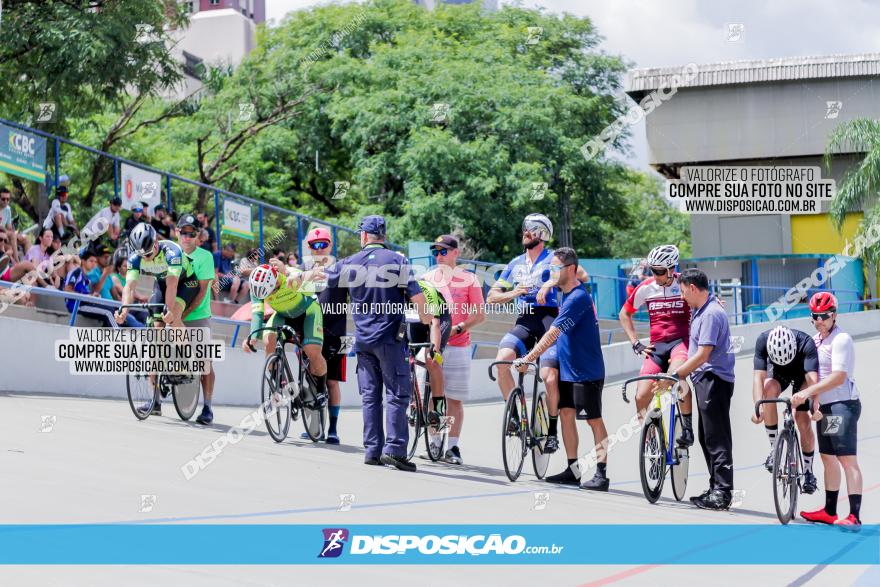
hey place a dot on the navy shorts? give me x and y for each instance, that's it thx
(529, 329)
(838, 429)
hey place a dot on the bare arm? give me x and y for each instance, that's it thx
(700, 357)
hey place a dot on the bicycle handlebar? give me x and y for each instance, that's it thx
(148, 306)
(780, 400)
(530, 364)
(657, 377)
(276, 329)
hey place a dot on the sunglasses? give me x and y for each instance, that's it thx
(4, 199)
(441, 252)
(319, 245)
(558, 268)
(659, 272)
(188, 234)
(822, 316)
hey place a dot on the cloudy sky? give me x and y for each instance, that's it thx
(649, 33)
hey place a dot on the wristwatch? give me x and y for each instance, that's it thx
(459, 329)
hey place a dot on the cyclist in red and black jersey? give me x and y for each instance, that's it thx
(669, 318)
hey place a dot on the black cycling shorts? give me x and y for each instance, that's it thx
(187, 289)
(335, 361)
(529, 329)
(662, 352)
(585, 397)
(838, 430)
(796, 384)
(418, 333)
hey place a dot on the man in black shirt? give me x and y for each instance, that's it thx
(211, 243)
(159, 223)
(783, 358)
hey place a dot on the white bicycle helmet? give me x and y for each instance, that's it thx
(781, 345)
(539, 225)
(663, 256)
(142, 238)
(264, 280)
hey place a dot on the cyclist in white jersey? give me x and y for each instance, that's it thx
(840, 406)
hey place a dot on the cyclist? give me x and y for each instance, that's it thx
(176, 285)
(786, 357)
(840, 406)
(523, 280)
(669, 328)
(285, 290)
(437, 333)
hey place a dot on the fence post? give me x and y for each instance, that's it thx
(756, 293)
(333, 234)
(168, 193)
(299, 237)
(217, 213)
(260, 216)
(116, 178)
(57, 159)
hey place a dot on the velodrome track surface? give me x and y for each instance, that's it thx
(97, 461)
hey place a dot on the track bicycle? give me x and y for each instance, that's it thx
(283, 396)
(659, 447)
(521, 431)
(788, 463)
(420, 412)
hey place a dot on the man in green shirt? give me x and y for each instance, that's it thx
(199, 316)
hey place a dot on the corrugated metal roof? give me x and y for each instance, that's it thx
(754, 71)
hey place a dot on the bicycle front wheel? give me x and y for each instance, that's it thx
(313, 412)
(785, 476)
(679, 468)
(540, 428)
(141, 395)
(414, 417)
(435, 435)
(186, 397)
(652, 458)
(276, 397)
(514, 428)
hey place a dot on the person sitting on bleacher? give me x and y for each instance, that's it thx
(77, 281)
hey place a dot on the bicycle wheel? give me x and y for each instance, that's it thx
(435, 439)
(513, 435)
(540, 427)
(652, 458)
(186, 396)
(785, 475)
(414, 417)
(141, 395)
(276, 397)
(313, 413)
(679, 469)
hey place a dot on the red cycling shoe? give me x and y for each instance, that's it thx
(819, 516)
(849, 523)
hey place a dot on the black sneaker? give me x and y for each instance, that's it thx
(551, 445)
(157, 409)
(453, 456)
(206, 417)
(567, 477)
(703, 495)
(599, 482)
(398, 463)
(717, 500)
(686, 438)
(810, 484)
(371, 461)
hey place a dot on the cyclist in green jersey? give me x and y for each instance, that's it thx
(288, 291)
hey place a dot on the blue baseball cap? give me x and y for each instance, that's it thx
(373, 225)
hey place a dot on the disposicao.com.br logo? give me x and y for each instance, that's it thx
(430, 544)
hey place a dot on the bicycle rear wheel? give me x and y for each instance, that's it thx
(652, 458)
(414, 416)
(679, 469)
(513, 434)
(313, 413)
(276, 397)
(785, 476)
(540, 427)
(141, 395)
(186, 397)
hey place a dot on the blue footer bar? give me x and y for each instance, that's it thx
(257, 544)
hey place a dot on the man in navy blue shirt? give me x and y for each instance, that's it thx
(581, 368)
(379, 281)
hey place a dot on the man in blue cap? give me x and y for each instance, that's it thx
(379, 282)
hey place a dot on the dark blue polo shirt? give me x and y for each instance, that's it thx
(578, 348)
(378, 281)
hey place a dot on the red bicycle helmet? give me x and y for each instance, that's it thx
(823, 302)
(318, 234)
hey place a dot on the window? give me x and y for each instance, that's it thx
(193, 66)
(214, 2)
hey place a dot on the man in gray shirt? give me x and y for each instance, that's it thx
(710, 364)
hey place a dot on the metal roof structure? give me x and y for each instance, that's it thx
(755, 71)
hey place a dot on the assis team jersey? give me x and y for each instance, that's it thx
(668, 313)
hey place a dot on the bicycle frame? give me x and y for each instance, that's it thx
(668, 428)
(524, 412)
(788, 427)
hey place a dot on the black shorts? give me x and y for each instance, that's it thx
(585, 397)
(418, 333)
(529, 329)
(187, 289)
(796, 383)
(838, 429)
(662, 352)
(335, 361)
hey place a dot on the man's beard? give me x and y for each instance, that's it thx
(532, 244)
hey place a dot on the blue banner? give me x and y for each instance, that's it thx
(22, 154)
(273, 544)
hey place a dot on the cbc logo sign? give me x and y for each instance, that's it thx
(22, 143)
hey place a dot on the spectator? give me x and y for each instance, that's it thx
(60, 217)
(137, 216)
(160, 222)
(204, 237)
(106, 220)
(211, 243)
(6, 216)
(41, 256)
(102, 284)
(227, 278)
(77, 281)
(293, 259)
(280, 255)
(22, 272)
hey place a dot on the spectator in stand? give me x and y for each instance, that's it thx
(41, 256)
(60, 217)
(280, 255)
(162, 222)
(6, 225)
(137, 216)
(293, 259)
(211, 242)
(204, 237)
(227, 278)
(102, 284)
(77, 281)
(15, 272)
(105, 221)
